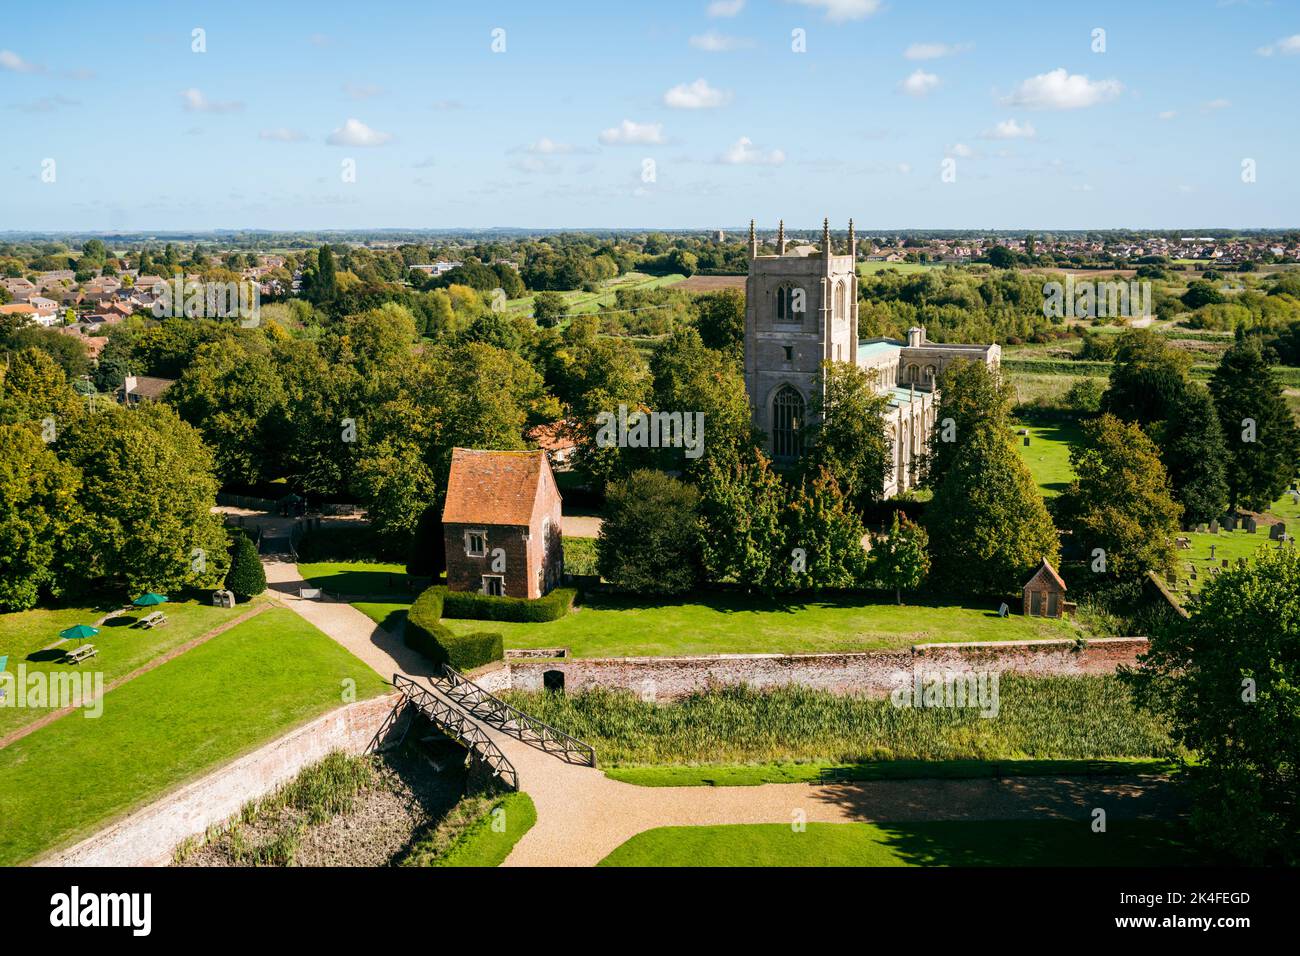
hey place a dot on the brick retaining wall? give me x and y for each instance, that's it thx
(148, 836)
(874, 673)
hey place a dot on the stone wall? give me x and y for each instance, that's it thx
(148, 836)
(872, 673)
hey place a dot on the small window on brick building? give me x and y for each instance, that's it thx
(494, 585)
(475, 544)
(789, 353)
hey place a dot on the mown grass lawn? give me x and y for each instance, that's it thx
(940, 843)
(722, 623)
(122, 648)
(240, 690)
(1048, 454)
(358, 577)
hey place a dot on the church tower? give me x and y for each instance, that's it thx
(801, 309)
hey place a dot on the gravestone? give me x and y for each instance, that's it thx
(1212, 547)
(1277, 532)
(1230, 523)
(1225, 562)
(1214, 527)
(1201, 528)
(1003, 610)
(1026, 441)
(1251, 526)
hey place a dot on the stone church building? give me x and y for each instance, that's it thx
(801, 309)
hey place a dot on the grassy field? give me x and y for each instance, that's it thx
(1230, 545)
(944, 843)
(356, 577)
(1048, 454)
(27, 635)
(614, 626)
(905, 268)
(823, 771)
(1038, 718)
(578, 302)
(203, 709)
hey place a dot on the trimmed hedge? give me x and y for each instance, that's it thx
(471, 606)
(425, 633)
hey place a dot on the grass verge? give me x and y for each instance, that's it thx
(480, 831)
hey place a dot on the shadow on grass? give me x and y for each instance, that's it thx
(1040, 843)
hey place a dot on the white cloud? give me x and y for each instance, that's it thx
(1218, 103)
(839, 10)
(715, 42)
(919, 83)
(196, 102)
(696, 96)
(628, 133)
(1287, 46)
(282, 135)
(725, 8)
(905, 168)
(356, 133)
(743, 152)
(1010, 129)
(446, 105)
(9, 60)
(1168, 114)
(960, 150)
(934, 51)
(1059, 90)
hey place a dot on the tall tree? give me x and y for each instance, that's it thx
(902, 560)
(1194, 454)
(972, 398)
(742, 505)
(649, 542)
(848, 437)
(1147, 380)
(987, 523)
(722, 322)
(825, 536)
(1261, 435)
(38, 505)
(1120, 501)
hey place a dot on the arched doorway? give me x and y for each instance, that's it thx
(553, 680)
(787, 419)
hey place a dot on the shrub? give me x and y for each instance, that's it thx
(246, 577)
(649, 542)
(469, 605)
(426, 633)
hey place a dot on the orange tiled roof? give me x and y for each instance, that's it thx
(493, 487)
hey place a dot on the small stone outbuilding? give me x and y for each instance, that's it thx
(1045, 593)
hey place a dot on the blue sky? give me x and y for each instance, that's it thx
(558, 129)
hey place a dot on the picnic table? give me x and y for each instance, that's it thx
(81, 653)
(156, 619)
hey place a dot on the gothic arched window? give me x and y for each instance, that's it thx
(840, 311)
(790, 305)
(787, 419)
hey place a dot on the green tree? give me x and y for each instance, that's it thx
(987, 523)
(825, 536)
(246, 577)
(148, 489)
(1262, 439)
(1148, 379)
(38, 504)
(848, 436)
(742, 509)
(34, 389)
(1120, 501)
(548, 307)
(972, 398)
(1194, 454)
(722, 322)
(690, 378)
(649, 542)
(902, 560)
(1228, 683)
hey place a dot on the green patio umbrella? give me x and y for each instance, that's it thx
(78, 632)
(149, 599)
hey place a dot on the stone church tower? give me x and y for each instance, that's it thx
(801, 309)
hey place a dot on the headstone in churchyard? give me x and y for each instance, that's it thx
(1277, 532)
(1026, 441)
(1003, 610)
(1212, 547)
(1214, 526)
(1230, 523)
(1251, 525)
(1201, 528)
(1225, 562)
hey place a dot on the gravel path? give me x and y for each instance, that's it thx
(582, 815)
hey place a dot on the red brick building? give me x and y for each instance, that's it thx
(501, 523)
(1045, 593)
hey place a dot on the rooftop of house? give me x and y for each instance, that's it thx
(1047, 574)
(146, 386)
(493, 487)
(877, 347)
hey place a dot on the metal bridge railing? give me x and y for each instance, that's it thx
(510, 720)
(454, 722)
